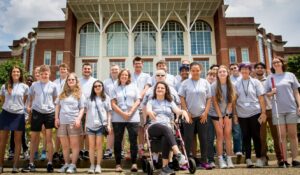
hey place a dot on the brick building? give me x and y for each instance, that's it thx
(114, 32)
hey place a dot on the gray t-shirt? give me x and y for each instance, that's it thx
(92, 115)
(110, 86)
(126, 97)
(42, 94)
(196, 94)
(285, 85)
(235, 79)
(86, 86)
(140, 80)
(59, 85)
(170, 80)
(224, 102)
(69, 108)
(163, 110)
(248, 91)
(149, 94)
(14, 102)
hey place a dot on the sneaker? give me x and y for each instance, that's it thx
(281, 164)
(11, 155)
(107, 154)
(222, 163)
(184, 167)
(118, 169)
(265, 161)
(212, 164)
(91, 170)
(238, 157)
(181, 159)
(43, 155)
(36, 155)
(71, 169)
(295, 164)
(287, 164)
(259, 163)
(29, 168)
(15, 170)
(50, 168)
(98, 169)
(229, 162)
(249, 163)
(134, 168)
(86, 155)
(205, 166)
(55, 157)
(63, 169)
(167, 171)
(26, 155)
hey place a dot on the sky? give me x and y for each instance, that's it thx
(280, 17)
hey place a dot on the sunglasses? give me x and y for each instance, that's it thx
(97, 86)
(233, 68)
(160, 75)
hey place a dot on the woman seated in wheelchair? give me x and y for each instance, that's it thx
(161, 109)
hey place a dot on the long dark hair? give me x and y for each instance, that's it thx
(168, 96)
(93, 93)
(10, 82)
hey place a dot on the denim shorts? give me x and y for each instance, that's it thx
(95, 132)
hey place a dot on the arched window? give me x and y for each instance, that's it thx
(117, 40)
(172, 39)
(89, 40)
(201, 38)
(144, 39)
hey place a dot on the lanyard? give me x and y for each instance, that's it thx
(13, 93)
(124, 93)
(195, 85)
(44, 94)
(61, 83)
(246, 91)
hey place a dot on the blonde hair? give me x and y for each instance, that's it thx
(230, 89)
(67, 91)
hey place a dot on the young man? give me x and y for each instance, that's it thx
(109, 87)
(185, 63)
(236, 129)
(140, 79)
(86, 84)
(60, 82)
(170, 79)
(184, 74)
(42, 95)
(260, 70)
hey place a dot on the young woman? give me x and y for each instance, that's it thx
(125, 102)
(68, 113)
(287, 94)
(223, 95)
(160, 110)
(98, 117)
(12, 117)
(251, 112)
(195, 95)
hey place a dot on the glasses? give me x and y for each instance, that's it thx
(160, 75)
(233, 68)
(276, 62)
(71, 79)
(97, 86)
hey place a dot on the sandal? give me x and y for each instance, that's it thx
(119, 169)
(134, 168)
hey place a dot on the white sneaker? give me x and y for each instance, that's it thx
(71, 169)
(229, 162)
(249, 163)
(63, 169)
(181, 159)
(259, 163)
(98, 169)
(212, 164)
(222, 163)
(91, 170)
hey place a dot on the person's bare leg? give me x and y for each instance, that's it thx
(3, 142)
(49, 144)
(282, 142)
(92, 140)
(228, 137)
(74, 143)
(65, 148)
(18, 144)
(34, 138)
(99, 149)
(292, 134)
(220, 137)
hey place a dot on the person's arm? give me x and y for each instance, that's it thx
(203, 117)
(117, 109)
(144, 91)
(263, 117)
(149, 111)
(109, 125)
(79, 118)
(297, 98)
(179, 112)
(217, 107)
(184, 107)
(134, 107)
(234, 112)
(57, 109)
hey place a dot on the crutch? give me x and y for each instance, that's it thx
(277, 116)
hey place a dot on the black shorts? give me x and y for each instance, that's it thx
(39, 119)
(215, 118)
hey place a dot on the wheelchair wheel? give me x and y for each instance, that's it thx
(192, 167)
(150, 168)
(144, 164)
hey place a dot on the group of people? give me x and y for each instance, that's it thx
(236, 101)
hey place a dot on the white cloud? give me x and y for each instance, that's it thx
(280, 17)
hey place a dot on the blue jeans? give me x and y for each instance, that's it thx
(237, 137)
(210, 139)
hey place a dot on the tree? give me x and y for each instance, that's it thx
(294, 65)
(6, 66)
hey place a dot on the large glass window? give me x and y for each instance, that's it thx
(121, 64)
(148, 67)
(201, 38)
(117, 40)
(245, 55)
(173, 66)
(205, 67)
(47, 57)
(232, 55)
(89, 40)
(172, 39)
(144, 39)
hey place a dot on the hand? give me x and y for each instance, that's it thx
(57, 122)
(273, 91)
(262, 118)
(203, 118)
(125, 115)
(29, 110)
(152, 115)
(235, 120)
(77, 123)
(130, 113)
